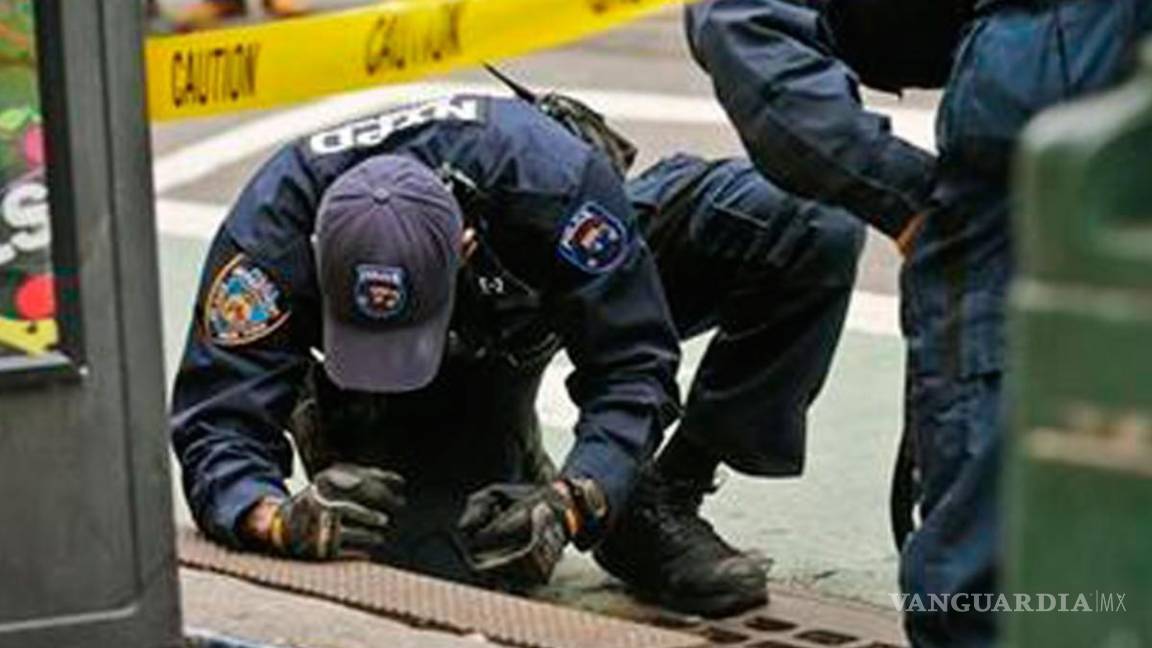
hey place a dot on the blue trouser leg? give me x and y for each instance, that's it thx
(797, 110)
(953, 289)
(773, 274)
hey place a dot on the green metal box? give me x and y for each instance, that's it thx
(1079, 511)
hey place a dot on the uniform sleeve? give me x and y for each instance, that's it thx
(234, 390)
(613, 317)
(797, 109)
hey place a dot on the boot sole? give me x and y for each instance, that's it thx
(712, 606)
(715, 606)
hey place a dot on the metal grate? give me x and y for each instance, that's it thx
(792, 620)
(431, 603)
(795, 618)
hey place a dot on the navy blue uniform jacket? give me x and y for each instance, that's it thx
(536, 284)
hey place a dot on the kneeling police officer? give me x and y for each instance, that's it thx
(392, 290)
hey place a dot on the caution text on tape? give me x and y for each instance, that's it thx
(281, 62)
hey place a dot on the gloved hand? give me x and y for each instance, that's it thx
(517, 532)
(345, 512)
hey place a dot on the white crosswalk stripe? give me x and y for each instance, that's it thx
(199, 160)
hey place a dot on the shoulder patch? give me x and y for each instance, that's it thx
(243, 304)
(594, 240)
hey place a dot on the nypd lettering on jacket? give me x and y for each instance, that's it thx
(374, 130)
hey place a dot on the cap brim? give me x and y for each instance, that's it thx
(392, 360)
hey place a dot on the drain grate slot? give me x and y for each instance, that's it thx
(826, 637)
(723, 636)
(769, 624)
(804, 621)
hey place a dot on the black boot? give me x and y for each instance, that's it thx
(664, 550)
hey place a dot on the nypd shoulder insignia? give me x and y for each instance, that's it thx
(244, 304)
(593, 239)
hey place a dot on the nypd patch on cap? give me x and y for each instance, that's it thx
(387, 247)
(381, 292)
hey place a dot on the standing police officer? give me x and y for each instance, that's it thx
(787, 76)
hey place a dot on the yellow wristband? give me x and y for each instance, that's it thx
(276, 531)
(572, 522)
(571, 514)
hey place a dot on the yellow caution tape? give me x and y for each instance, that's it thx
(281, 62)
(32, 337)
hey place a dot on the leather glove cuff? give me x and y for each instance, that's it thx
(589, 507)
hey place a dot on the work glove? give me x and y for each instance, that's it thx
(345, 512)
(516, 533)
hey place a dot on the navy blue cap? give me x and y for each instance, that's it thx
(387, 246)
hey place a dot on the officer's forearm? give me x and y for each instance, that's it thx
(221, 494)
(611, 458)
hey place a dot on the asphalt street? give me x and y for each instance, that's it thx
(826, 531)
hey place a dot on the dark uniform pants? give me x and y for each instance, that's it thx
(773, 275)
(797, 109)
